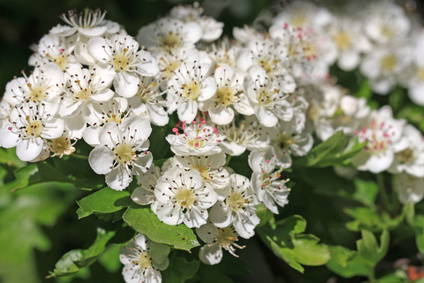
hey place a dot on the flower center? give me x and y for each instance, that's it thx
(268, 65)
(285, 141)
(236, 201)
(185, 198)
(124, 153)
(61, 61)
(405, 156)
(204, 172)
(191, 90)
(225, 96)
(298, 19)
(170, 68)
(388, 62)
(342, 40)
(197, 142)
(264, 97)
(144, 260)
(121, 61)
(83, 94)
(170, 41)
(387, 31)
(34, 128)
(61, 146)
(421, 74)
(114, 118)
(226, 237)
(145, 91)
(37, 94)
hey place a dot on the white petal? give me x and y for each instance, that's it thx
(220, 215)
(8, 139)
(99, 49)
(101, 160)
(210, 254)
(187, 111)
(266, 117)
(221, 115)
(208, 89)
(53, 128)
(126, 84)
(118, 179)
(102, 96)
(207, 233)
(29, 149)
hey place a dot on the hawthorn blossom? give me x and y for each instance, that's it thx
(410, 159)
(122, 152)
(149, 102)
(237, 209)
(269, 97)
(210, 167)
(85, 86)
(121, 54)
(143, 260)
(229, 96)
(410, 189)
(216, 240)
(169, 35)
(29, 127)
(267, 180)
(190, 85)
(248, 134)
(211, 29)
(197, 138)
(45, 84)
(384, 137)
(182, 197)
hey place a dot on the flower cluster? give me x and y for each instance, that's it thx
(264, 92)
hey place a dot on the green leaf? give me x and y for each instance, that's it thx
(144, 221)
(287, 242)
(105, 200)
(419, 232)
(180, 270)
(368, 246)
(370, 219)
(365, 191)
(22, 178)
(347, 263)
(72, 261)
(21, 218)
(9, 158)
(365, 90)
(110, 258)
(264, 214)
(336, 150)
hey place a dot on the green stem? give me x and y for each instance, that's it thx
(384, 195)
(79, 156)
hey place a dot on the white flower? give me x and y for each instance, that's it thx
(229, 94)
(122, 152)
(121, 53)
(217, 239)
(384, 66)
(149, 102)
(53, 49)
(61, 146)
(211, 29)
(169, 35)
(85, 86)
(267, 180)
(349, 40)
(304, 14)
(88, 23)
(182, 197)
(144, 193)
(224, 52)
(28, 128)
(210, 168)
(99, 114)
(238, 208)
(411, 158)
(267, 54)
(143, 260)
(190, 85)
(414, 77)
(385, 21)
(383, 136)
(5, 109)
(287, 141)
(248, 134)
(197, 138)
(269, 96)
(45, 84)
(410, 189)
